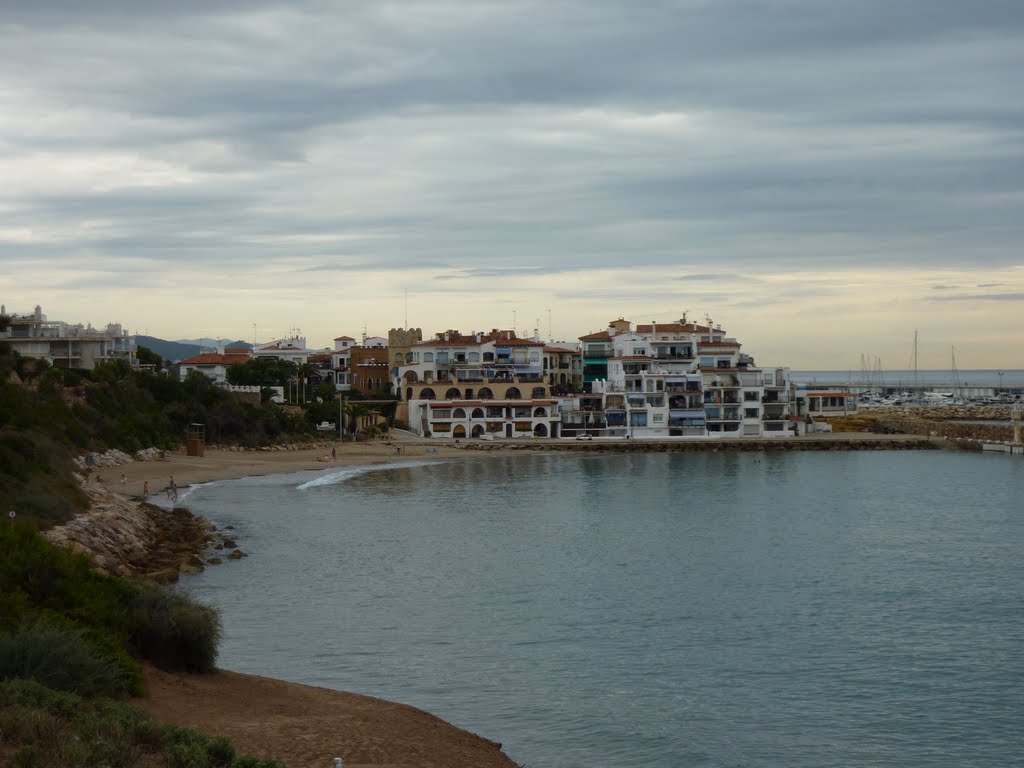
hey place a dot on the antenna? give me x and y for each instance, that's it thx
(551, 336)
(406, 307)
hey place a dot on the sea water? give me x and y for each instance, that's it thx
(656, 610)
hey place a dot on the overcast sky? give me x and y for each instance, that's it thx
(822, 178)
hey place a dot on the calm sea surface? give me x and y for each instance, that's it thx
(655, 610)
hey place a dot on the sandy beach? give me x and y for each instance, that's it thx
(220, 464)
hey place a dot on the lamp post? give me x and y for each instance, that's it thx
(1001, 381)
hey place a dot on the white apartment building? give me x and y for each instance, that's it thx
(67, 345)
(675, 379)
(475, 385)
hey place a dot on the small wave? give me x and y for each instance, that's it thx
(349, 472)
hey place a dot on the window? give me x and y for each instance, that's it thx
(427, 394)
(441, 413)
(428, 357)
(751, 397)
(442, 357)
(458, 413)
(639, 351)
(399, 358)
(534, 356)
(513, 393)
(452, 394)
(750, 413)
(478, 413)
(659, 418)
(485, 393)
(707, 362)
(638, 419)
(473, 357)
(538, 393)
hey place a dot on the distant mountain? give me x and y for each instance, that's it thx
(207, 342)
(168, 350)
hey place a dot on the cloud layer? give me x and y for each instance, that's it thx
(308, 163)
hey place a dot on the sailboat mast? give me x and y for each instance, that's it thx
(917, 392)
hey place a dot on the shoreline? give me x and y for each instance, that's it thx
(220, 464)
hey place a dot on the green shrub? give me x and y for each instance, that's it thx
(187, 755)
(221, 752)
(60, 658)
(29, 693)
(175, 631)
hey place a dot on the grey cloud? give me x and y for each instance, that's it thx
(979, 297)
(520, 138)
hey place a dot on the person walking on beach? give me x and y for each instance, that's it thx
(334, 453)
(145, 490)
(124, 480)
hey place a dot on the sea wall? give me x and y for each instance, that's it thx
(843, 443)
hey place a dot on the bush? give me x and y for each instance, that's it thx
(60, 658)
(221, 752)
(175, 631)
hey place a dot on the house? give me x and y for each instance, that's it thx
(214, 365)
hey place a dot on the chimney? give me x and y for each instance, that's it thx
(536, 335)
(39, 312)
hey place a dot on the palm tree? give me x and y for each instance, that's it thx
(353, 410)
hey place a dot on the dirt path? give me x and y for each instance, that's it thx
(306, 727)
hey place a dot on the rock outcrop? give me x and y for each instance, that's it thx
(137, 540)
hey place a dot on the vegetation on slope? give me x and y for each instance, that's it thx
(49, 415)
(71, 640)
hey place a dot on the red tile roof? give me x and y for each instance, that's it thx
(343, 338)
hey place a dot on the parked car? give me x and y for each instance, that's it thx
(584, 436)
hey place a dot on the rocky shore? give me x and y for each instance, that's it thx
(141, 541)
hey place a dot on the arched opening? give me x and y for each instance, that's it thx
(540, 413)
(478, 430)
(485, 393)
(513, 393)
(540, 430)
(478, 413)
(453, 393)
(508, 430)
(411, 377)
(459, 413)
(408, 393)
(561, 379)
(459, 431)
(427, 394)
(538, 393)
